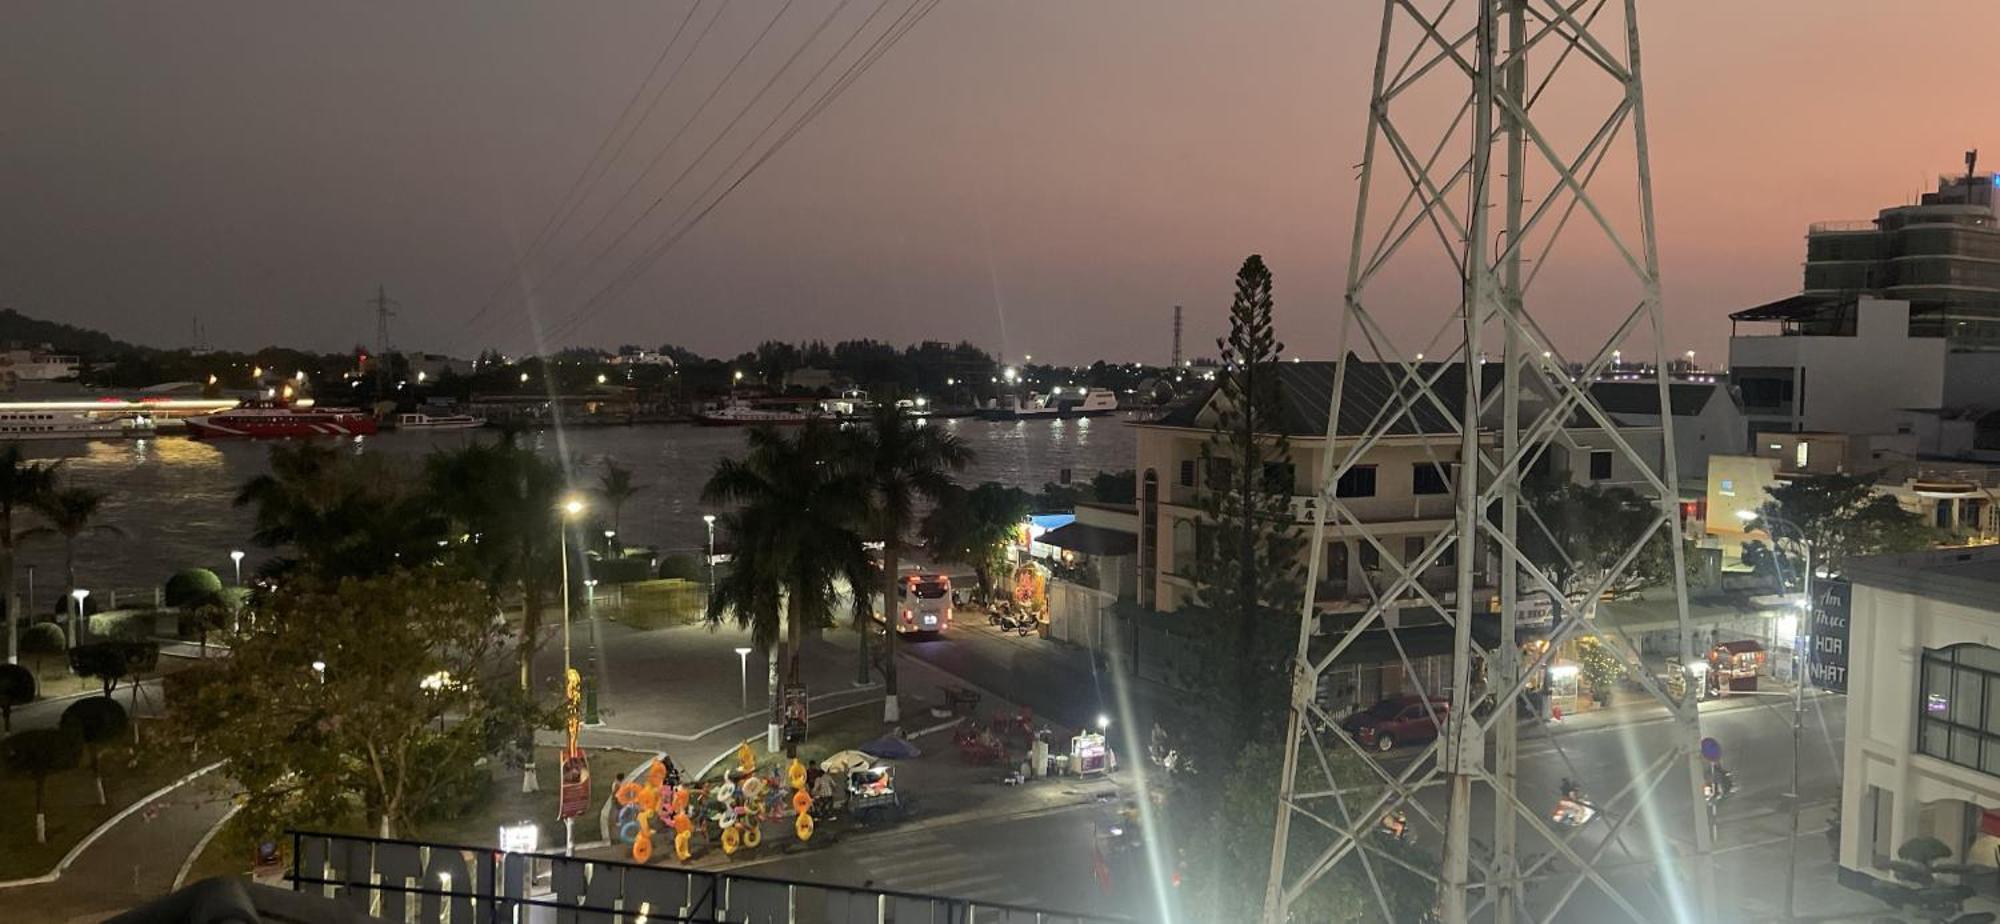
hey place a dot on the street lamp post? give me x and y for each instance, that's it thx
(78, 594)
(1801, 649)
(743, 668)
(570, 509)
(709, 520)
(236, 558)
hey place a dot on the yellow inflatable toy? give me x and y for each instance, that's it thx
(804, 827)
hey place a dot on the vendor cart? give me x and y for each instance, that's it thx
(871, 795)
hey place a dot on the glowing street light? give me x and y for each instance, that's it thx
(1103, 722)
(743, 668)
(1009, 374)
(236, 558)
(79, 594)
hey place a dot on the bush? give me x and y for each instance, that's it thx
(619, 570)
(192, 587)
(17, 688)
(682, 567)
(123, 625)
(111, 662)
(42, 640)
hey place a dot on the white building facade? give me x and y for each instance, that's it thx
(1923, 716)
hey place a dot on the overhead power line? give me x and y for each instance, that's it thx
(599, 163)
(672, 235)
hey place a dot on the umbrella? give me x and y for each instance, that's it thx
(846, 762)
(891, 747)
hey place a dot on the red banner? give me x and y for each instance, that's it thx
(575, 784)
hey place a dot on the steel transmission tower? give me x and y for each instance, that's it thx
(1496, 129)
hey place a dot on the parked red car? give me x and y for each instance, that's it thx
(1396, 721)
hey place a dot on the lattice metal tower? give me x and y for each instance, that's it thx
(1492, 124)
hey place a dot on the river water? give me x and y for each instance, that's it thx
(171, 496)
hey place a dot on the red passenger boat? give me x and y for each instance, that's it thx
(278, 418)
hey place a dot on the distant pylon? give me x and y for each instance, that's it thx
(1176, 364)
(385, 308)
(1454, 77)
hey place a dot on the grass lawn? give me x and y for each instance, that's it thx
(230, 852)
(71, 802)
(655, 604)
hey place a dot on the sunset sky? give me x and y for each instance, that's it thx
(1035, 176)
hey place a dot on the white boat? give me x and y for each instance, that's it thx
(1082, 402)
(739, 414)
(438, 422)
(59, 425)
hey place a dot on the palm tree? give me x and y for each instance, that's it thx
(799, 506)
(69, 512)
(616, 487)
(975, 526)
(904, 464)
(21, 482)
(341, 515)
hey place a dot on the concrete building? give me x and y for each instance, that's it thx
(1922, 669)
(1958, 497)
(1708, 419)
(1941, 255)
(37, 365)
(1859, 377)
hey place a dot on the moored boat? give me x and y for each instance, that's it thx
(276, 418)
(740, 414)
(57, 425)
(421, 421)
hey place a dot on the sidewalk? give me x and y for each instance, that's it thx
(135, 861)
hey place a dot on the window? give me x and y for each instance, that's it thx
(1371, 557)
(1804, 450)
(1958, 709)
(1278, 478)
(1359, 481)
(1728, 488)
(1426, 478)
(1600, 464)
(1187, 473)
(1336, 565)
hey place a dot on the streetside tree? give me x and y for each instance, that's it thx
(615, 485)
(339, 514)
(96, 721)
(1577, 534)
(364, 738)
(1248, 587)
(41, 753)
(1843, 518)
(905, 464)
(973, 527)
(21, 484)
(799, 503)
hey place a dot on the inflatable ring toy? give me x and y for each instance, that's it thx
(796, 773)
(649, 800)
(802, 802)
(681, 848)
(731, 839)
(754, 787)
(682, 823)
(752, 836)
(804, 827)
(680, 801)
(656, 774)
(628, 793)
(628, 832)
(642, 849)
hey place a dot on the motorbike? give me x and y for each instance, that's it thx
(1396, 825)
(1573, 808)
(1719, 786)
(1011, 617)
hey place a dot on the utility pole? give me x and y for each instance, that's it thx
(1454, 160)
(385, 308)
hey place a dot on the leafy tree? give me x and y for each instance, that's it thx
(1576, 534)
(365, 737)
(41, 753)
(114, 661)
(17, 688)
(21, 484)
(42, 640)
(340, 513)
(800, 504)
(681, 567)
(1115, 487)
(1843, 517)
(1247, 576)
(616, 487)
(95, 721)
(69, 512)
(974, 527)
(905, 464)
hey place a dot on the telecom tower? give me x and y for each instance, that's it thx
(1176, 364)
(385, 308)
(1492, 127)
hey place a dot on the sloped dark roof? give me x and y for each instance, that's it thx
(1306, 389)
(1091, 540)
(1644, 397)
(1789, 308)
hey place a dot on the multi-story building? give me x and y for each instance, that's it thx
(37, 365)
(1942, 255)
